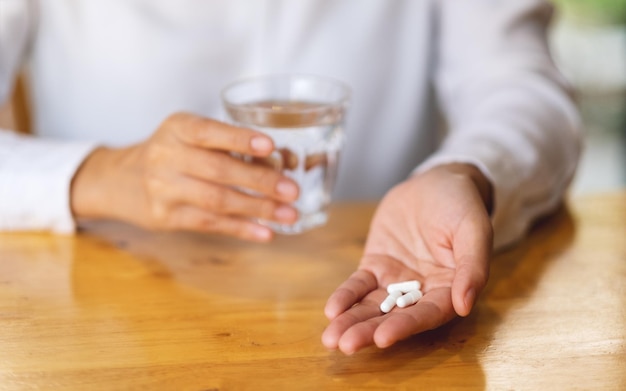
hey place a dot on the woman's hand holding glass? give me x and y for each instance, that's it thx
(184, 177)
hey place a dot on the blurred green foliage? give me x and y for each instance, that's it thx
(594, 11)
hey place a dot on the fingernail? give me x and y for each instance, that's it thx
(285, 213)
(470, 296)
(287, 188)
(261, 233)
(261, 144)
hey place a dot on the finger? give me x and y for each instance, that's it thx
(190, 218)
(223, 200)
(362, 327)
(207, 133)
(360, 335)
(432, 311)
(366, 309)
(350, 292)
(472, 251)
(227, 170)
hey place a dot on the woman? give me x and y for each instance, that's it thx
(126, 109)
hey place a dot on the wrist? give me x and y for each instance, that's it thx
(91, 190)
(482, 183)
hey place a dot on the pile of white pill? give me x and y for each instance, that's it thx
(401, 294)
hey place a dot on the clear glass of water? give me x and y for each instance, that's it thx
(304, 115)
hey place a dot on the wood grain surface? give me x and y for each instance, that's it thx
(118, 308)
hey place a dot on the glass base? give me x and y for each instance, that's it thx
(305, 223)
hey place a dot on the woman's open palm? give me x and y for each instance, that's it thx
(433, 228)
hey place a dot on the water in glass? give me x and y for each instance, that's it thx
(307, 137)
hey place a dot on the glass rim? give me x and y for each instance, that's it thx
(342, 101)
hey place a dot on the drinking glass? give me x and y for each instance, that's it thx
(304, 115)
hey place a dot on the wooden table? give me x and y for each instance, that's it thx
(118, 308)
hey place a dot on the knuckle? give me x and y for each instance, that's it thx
(234, 138)
(159, 208)
(239, 137)
(215, 167)
(240, 231)
(175, 119)
(188, 127)
(160, 216)
(154, 185)
(155, 154)
(173, 124)
(210, 125)
(204, 130)
(215, 200)
(196, 132)
(209, 222)
(266, 209)
(265, 179)
(214, 223)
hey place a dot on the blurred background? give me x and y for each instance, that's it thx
(589, 45)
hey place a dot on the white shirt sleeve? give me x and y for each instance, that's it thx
(16, 23)
(508, 109)
(35, 179)
(35, 174)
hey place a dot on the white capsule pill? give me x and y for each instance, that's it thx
(409, 298)
(404, 286)
(390, 302)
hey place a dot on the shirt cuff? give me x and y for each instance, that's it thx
(35, 179)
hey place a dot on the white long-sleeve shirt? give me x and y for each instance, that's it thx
(109, 71)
